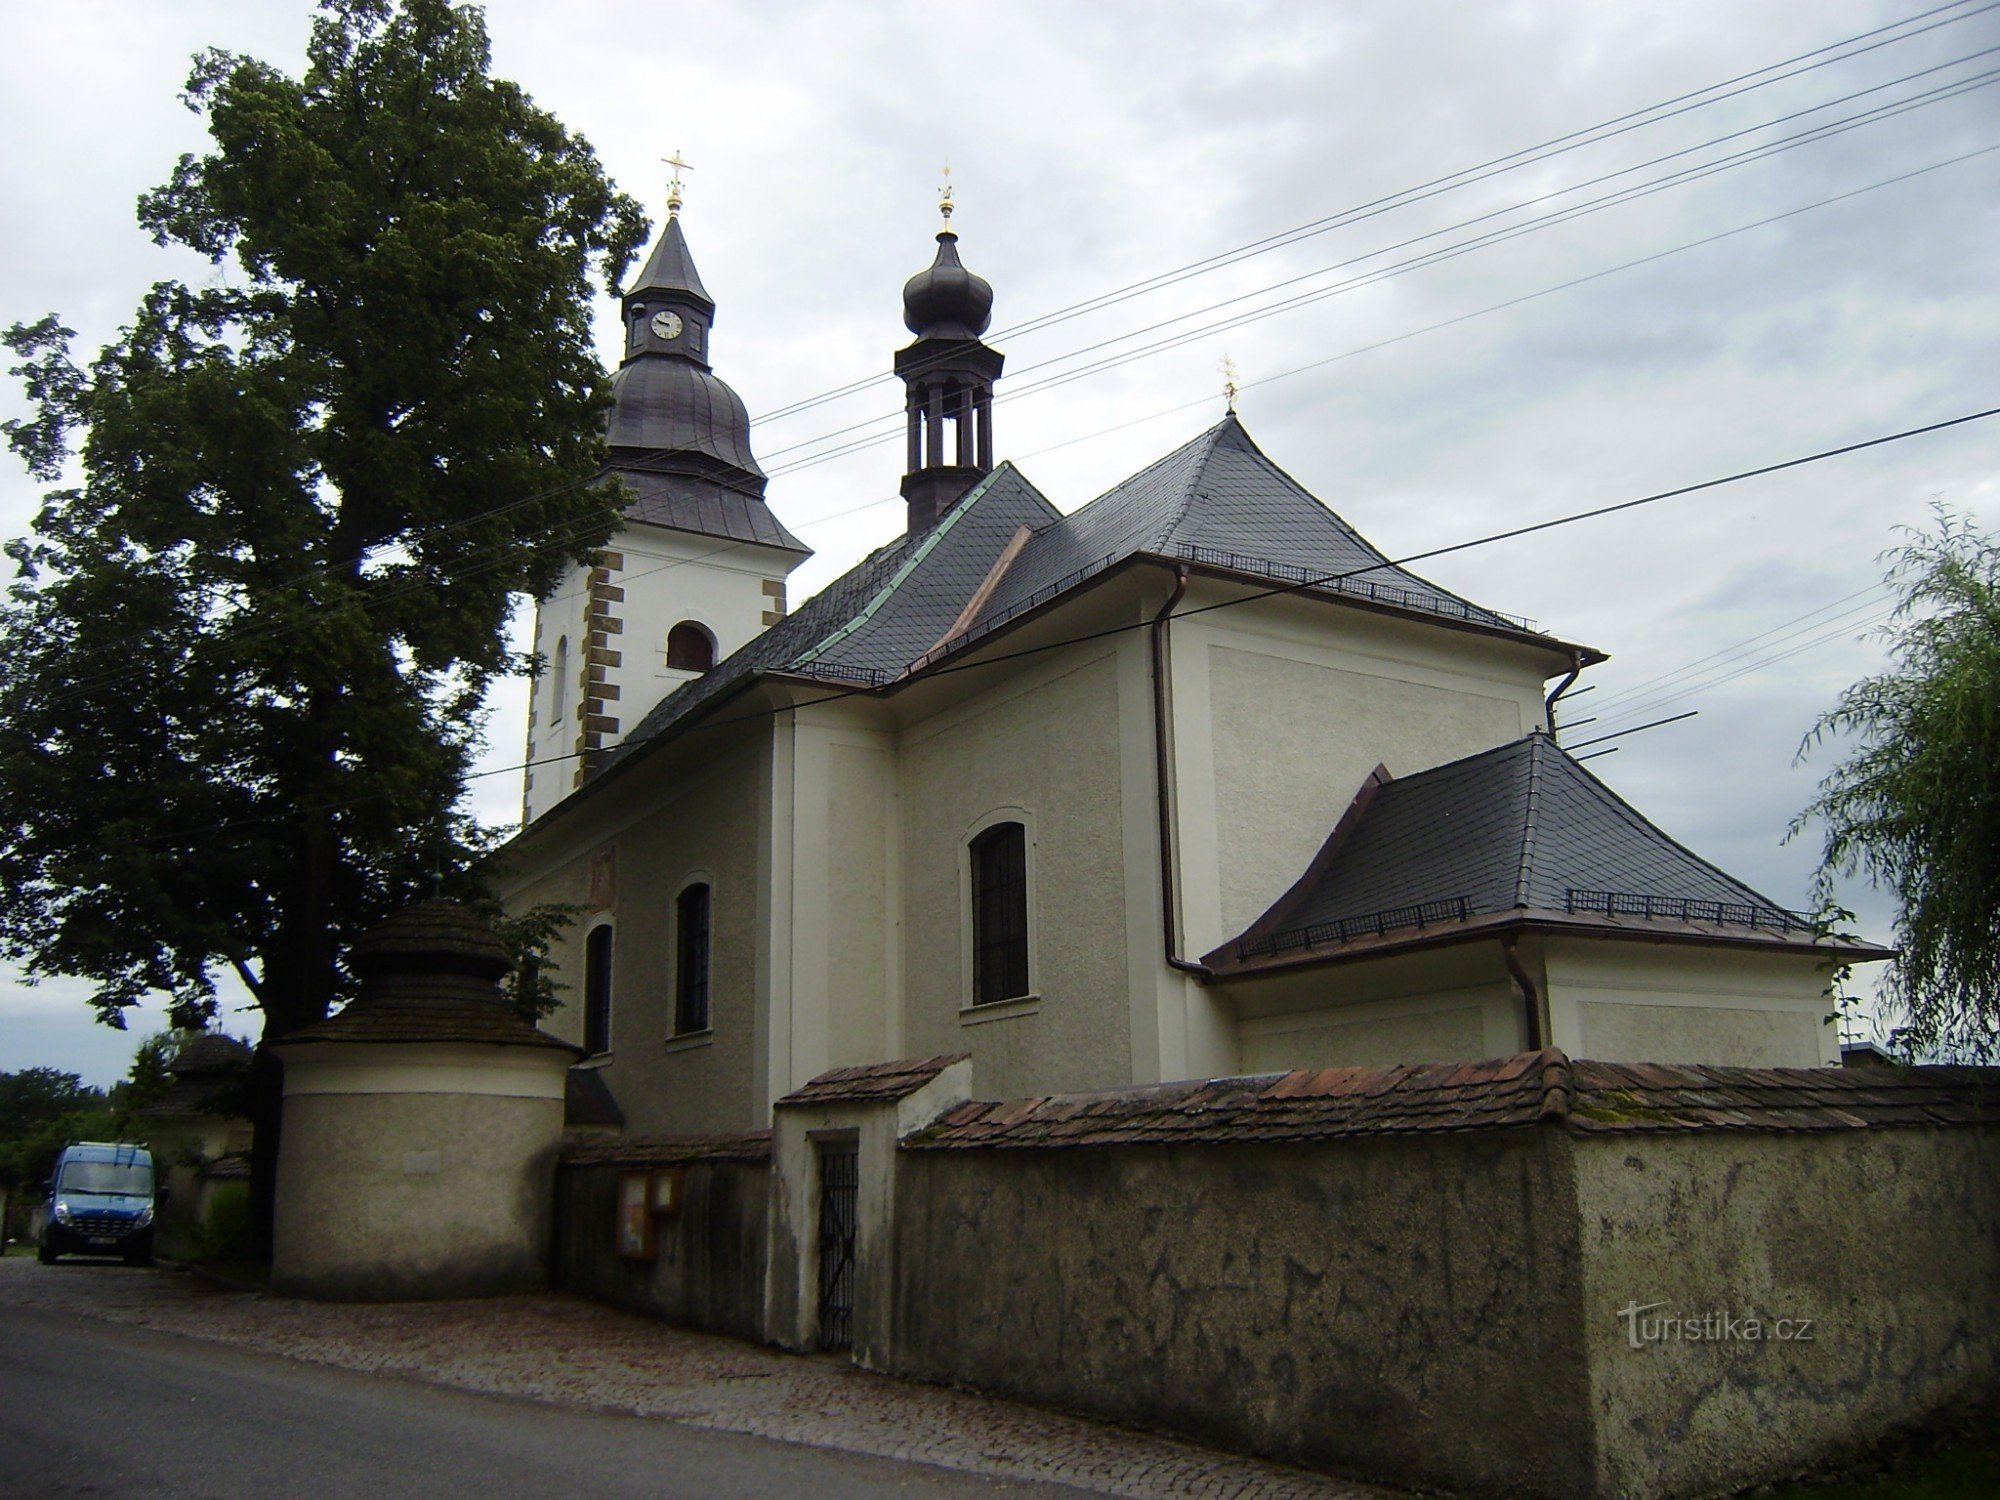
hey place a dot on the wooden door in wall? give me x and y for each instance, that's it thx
(839, 1191)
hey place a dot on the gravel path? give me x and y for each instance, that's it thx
(564, 1350)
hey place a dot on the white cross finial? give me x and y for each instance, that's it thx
(1229, 382)
(944, 199)
(674, 182)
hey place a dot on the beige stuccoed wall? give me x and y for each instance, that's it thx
(696, 817)
(1888, 1240)
(835, 968)
(1451, 1004)
(668, 576)
(1282, 708)
(1674, 1003)
(1048, 744)
(416, 1170)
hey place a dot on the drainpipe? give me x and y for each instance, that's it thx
(1549, 704)
(1169, 871)
(1531, 1000)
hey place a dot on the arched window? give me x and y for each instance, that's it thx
(999, 914)
(597, 991)
(690, 648)
(691, 928)
(560, 687)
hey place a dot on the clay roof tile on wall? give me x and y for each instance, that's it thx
(1500, 1093)
(875, 1082)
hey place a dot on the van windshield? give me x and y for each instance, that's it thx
(106, 1177)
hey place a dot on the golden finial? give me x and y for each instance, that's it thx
(944, 201)
(674, 182)
(1229, 383)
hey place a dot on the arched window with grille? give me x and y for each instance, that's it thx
(597, 991)
(999, 859)
(559, 684)
(693, 910)
(690, 648)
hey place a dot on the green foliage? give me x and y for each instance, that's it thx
(41, 1109)
(225, 1237)
(149, 1079)
(243, 663)
(1915, 803)
(532, 986)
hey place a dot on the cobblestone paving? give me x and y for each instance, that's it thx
(567, 1351)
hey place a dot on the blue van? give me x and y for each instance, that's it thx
(100, 1202)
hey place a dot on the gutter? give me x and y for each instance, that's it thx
(1531, 999)
(1162, 783)
(1549, 703)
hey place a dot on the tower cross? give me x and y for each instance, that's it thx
(674, 182)
(1230, 385)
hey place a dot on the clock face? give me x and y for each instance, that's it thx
(667, 325)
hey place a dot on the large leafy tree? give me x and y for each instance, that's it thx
(1915, 802)
(243, 662)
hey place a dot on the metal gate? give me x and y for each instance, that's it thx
(839, 1184)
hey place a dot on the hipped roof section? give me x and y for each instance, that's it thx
(1519, 833)
(1003, 551)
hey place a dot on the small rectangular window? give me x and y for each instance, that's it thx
(597, 991)
(691, 921)
(1000, 914)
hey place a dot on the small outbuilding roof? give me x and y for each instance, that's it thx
(873, 1082)
(429, 973)
(1519, 831)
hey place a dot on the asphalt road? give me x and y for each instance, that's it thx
(111, 1411)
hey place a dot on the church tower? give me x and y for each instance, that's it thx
(700, 564)
(949, 377)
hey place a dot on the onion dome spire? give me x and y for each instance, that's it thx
(949, 374)
(947, 301)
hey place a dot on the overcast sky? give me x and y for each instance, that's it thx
(1098, 146)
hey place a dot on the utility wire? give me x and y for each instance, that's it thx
(1464, 177)
(277, 631)
(886, 427)
(949, 668)
(217, 598)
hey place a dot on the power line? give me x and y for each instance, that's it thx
(948, 668)
(886, 427)
(1464, 177)
(412, 545)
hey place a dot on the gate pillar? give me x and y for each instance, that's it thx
(831, 1277)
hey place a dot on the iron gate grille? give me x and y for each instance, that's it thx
(839, 1183)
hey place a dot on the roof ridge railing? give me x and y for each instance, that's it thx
(1429, 602)
(1347, 929)
(1684, 909)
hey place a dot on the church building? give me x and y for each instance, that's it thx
(1187, 782)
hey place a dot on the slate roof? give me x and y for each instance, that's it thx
(873, 1082)
(588, 1100)
(687, 502)
(670, 268)
(667, 405)
(1518, 830)
(1528, 1088)
(1216, 502)
(1219, 500)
